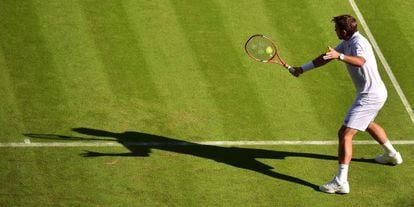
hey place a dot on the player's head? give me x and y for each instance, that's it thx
(345, 26)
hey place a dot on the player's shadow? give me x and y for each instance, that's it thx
(140, 144)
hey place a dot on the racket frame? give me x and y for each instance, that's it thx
(279, 61)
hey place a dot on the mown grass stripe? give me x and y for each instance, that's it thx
(78, 64)
(182, 107)
(228, 83)
(32, 73)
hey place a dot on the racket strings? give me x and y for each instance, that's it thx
(261, 48)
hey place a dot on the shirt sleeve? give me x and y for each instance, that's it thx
(340, 47)
(360, 50)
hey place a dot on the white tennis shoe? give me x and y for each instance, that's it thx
(335, 187)
(386, 158)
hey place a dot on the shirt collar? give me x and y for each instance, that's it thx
(354, 36)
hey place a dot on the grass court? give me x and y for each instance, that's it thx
(163, 78)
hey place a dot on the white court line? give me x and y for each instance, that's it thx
(214, 143)
(383, 61)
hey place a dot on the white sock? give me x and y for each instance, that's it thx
(389, 148)
(343, 173)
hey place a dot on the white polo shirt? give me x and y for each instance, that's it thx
(367, 79)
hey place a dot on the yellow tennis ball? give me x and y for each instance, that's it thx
(269, 50)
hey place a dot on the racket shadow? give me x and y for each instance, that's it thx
(140, 144)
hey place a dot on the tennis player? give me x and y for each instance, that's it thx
(356, 52)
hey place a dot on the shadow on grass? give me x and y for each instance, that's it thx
(140, 144)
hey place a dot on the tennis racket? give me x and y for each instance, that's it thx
(262, 49)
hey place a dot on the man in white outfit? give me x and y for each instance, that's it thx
(356, 52)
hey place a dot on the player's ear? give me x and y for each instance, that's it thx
(344, 33)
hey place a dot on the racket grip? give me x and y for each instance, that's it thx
(291, 69)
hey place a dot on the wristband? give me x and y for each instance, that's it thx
(308, 66)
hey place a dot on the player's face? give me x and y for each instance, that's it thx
(340, 33)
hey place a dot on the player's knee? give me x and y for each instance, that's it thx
(346, 133)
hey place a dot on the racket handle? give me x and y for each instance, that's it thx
(291, 69)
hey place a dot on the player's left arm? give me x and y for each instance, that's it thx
(315, 63)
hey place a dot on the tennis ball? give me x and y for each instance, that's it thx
(269, 50)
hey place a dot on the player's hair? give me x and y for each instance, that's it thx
(346, 22)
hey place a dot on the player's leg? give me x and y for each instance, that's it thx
(340, 183)
(345, 135)
(377, 132)
(390, 156)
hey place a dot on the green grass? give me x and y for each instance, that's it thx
(177, 69)
(55, 177)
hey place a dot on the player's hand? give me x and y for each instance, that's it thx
(295, 71)
(331, 54)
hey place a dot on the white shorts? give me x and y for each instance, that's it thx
(363, 112)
